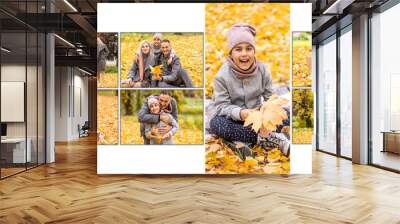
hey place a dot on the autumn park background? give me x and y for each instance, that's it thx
(303, 116)
(107, 117)
(302, 98)
(190, 115)
(302, 53)
(110, 77)
(188, 46)
(272, 22)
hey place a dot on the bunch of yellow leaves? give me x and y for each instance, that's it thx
(271, 114)
(156, 72)
(155, 135)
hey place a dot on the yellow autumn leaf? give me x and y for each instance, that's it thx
(260, 159)
(269, 116)
(156, 70)
(274, 156)
(250, 162)
(273, 113)
(214, 147)
(229, 163)
(255, 118)
(286, 165)
(284, 158)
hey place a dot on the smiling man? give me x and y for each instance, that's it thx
(173, 74)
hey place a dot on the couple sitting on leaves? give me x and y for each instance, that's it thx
(241, 84)
(159, 53)
(158, 119)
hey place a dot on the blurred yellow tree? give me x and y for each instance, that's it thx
(272, 22)
(188, 46)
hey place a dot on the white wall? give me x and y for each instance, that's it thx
(70, 84)
(61, 103)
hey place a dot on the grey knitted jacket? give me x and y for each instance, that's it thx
(232, 94)
(149, 126)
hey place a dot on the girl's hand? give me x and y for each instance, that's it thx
(244, 113)
(169, 60)
(167, 136)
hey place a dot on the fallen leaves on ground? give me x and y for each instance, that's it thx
(268, 116)
(189, 48)
(272, 22)
(130, 131)
(107, 118)
(302, 64)
(220, 159)
(302, 135)
(108, 80)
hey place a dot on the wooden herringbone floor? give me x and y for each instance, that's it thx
(70, 191)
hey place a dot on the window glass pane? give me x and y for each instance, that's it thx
(327, 96)
(13, 86)
(346, 94)
(385, 89)
(31, 98)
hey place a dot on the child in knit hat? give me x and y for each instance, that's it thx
(241, 84)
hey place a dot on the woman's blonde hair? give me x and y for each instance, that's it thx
(139, 50)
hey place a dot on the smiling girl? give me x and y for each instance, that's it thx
(152, 129)
(241, 84)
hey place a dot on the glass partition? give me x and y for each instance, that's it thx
(13, 95)
(22, 67)
(346, 93)
(327, 96)
(385, 89)
(31, 98)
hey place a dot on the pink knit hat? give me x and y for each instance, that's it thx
(157, 35)
(241, 33)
